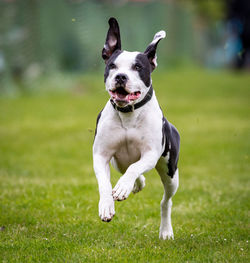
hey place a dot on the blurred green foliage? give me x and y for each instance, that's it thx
(41, 37)
(209, 10)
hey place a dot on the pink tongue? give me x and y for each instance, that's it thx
(128, 97)
(133, 96)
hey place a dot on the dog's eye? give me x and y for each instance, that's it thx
(112, 66)
(137, 67)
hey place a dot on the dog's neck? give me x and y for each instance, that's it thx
(132, 120)
(135, 118)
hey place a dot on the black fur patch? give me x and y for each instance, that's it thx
(172, 145)
(150, 52)
(109, 62)
(97, 120)
(145, 69)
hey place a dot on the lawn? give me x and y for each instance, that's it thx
(49, 194)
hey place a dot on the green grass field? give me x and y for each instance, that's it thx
(49, 194)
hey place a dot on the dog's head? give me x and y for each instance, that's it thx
(128, 74)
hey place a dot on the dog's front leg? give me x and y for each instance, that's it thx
(106, 203)
(126, 183)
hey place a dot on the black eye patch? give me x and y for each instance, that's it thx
(137, 67)
(110, 63)
(145, 70)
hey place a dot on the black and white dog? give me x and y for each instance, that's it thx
(132, 133)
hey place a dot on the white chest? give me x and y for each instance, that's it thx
(125, 138)
(129, 147)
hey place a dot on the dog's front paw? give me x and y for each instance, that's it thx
(166, 234)
(106, 209)
(122, 189)
(139, 184)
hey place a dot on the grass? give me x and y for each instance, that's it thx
(49, 194)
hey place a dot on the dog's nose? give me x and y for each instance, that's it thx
(121, 78)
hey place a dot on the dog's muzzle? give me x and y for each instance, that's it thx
(130, 108)
(120, 94)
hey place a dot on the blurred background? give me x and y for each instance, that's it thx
(51, 91)
(41, 38)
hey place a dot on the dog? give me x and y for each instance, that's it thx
(131, 131)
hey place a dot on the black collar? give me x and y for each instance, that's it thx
(130, 108)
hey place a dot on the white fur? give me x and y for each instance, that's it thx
(132, 142)
(124, 63)
(159, 35)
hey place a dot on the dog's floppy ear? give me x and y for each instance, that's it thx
(113, 40)
(151, 49)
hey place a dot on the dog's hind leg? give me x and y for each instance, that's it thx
(170, 188)
(139, 184)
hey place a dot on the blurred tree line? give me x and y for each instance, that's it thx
(42, 36)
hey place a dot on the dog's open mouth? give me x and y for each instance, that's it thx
(121, 95)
